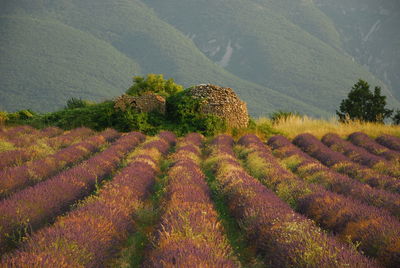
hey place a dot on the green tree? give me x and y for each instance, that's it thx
(362, 104)
(153, 83)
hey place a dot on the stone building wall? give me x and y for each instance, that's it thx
(222, 102)
(147, 102)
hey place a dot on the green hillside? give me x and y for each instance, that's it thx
(274, 57)
(44, 63)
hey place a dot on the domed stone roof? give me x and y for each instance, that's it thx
(223, 102)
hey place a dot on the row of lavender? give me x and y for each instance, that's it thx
(23, 136)
(283, 237)
(312, 171)
(37, 205)
(189, 234)
(342, 164)
(41, 145)
(90, 235)
(377, 146)
(361, 156)
(375, 231)
(16, 178)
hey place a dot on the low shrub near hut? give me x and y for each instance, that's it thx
(184, 111)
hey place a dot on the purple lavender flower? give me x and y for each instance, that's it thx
(89, 235)
(389, 141)
(313, 171)
(281, 235)
(364, 141)
(345, 217)
(342, 164)
(189, 207)
(17, 178)
(33, 207)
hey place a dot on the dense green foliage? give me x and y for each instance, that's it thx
(55, 50)
(74, 103)
(154, 83)
(364, 105)
(183, 113)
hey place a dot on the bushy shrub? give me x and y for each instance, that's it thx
(97, 117)
(184, 111)
(153, 83)
(282, 115)
(130, 120)
(21, 115)
(74, 103)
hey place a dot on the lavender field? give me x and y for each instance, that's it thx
(84, 199)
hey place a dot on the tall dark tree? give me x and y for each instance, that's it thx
(364, 105)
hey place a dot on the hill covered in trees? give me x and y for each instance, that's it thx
(289, 55)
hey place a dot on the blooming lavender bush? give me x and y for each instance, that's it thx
(389, 141)
(283, 237)
(27, 151)
(342, 164)
(90, 235)
(377, 232)
(361, 155)
(313, 171)
(363, 140)
(189, 232)
(31, 208)
(17, 178)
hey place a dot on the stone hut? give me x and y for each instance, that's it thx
(222, 102)
(148, 102)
